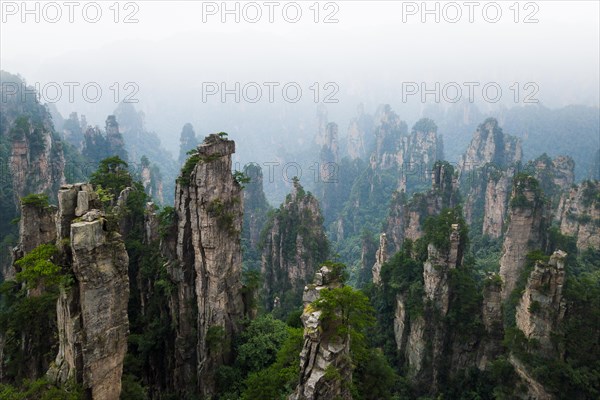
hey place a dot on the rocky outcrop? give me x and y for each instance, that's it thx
(359, 138)
(496, 203)
(380, 258)
(526, 227)
(542, 307)
(207, 303)
(187, 142)
(389, 131)
(491, 316)
(426, 343)
(255, 205)
(37, 226)
(486, 170)
(491, 146)
(151, 180)
(556, 176)
(325, 364)
(295, 243)
(92, 316)
(32, 152)
(406, 218)
(396, 224)
(579, 214)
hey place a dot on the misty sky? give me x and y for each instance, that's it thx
(368, 54)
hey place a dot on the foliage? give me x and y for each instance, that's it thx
(466, 301)
(167, 217)
(259, 343)
(223, 214)
(36, 200)
(40, 389)
(28, 346)
(346, 309)
(241, 178)
(522, 182)
(425, 125)
(36, 267)
(112, 176)
(437, 231)
(280, 379)
(215, 335)
(188, 167)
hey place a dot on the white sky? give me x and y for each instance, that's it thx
(369, 52)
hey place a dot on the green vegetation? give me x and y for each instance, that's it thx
(521, 183)
(28, 346)
(37, 269)
(40, 389)
(425, 125)
(241, 178)
(224, 215)
(36, 200)
(112, 176)
(346, 309)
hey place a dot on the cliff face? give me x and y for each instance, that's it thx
(295, 243)
(389, 130)
(496, 203)
(92, 316)
(380, 258)
(542, 307)
(323, 349)
(406, 218)
(255, 206)
(579, 214)
(527, 216)
(208, 301)
(424, 339)
(31, 154)
(152, 180)
(360, 135)
(491, 145)
(486, 171)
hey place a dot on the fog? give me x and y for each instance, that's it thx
(377, 52)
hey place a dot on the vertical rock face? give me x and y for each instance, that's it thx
(405, 219)
(323, 349)
(322, 121)
(435, 272)
(37, 226)
(100, 264)
(295, 243)
(209, 212)
(359, 138)
(389, 130)
(486, 170)
(579, 214)
(92, 313)
(542, 308)
(491, 145)
(491, 315)
(396, 221)
(426, 344)
(114, 137)
(496, 203)
(380, 258)
(187, 142)
(255, 205)
(152, 180)
(33, 154)
(527, 215)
